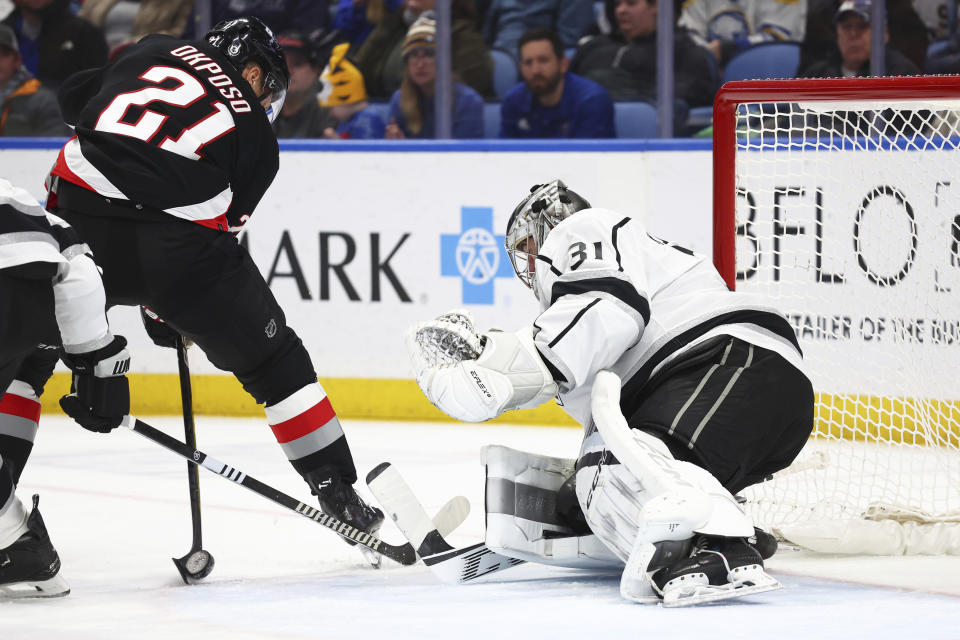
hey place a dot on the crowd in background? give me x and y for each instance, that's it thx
(365, 69)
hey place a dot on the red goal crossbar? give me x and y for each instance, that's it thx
(732, 94)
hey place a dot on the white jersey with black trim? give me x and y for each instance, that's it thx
(614, 297)
(37, 245)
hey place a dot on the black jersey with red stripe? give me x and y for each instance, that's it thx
(170, 125)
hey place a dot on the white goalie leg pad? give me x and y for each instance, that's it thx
(522, 519)
(664, 499)
(649, 496)
(509, 374)
(619, 509)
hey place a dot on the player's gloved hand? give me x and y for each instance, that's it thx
(99, 394)
(162, 334)
(508, 374)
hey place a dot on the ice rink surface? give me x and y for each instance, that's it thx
(117, 509)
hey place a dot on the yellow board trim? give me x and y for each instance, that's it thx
(892, 420)
(157, 394)
(845, 417)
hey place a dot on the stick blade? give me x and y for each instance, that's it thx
(451, 515)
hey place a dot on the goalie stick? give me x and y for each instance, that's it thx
(403, 554)
(450, 565)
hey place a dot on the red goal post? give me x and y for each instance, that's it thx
(801, 167)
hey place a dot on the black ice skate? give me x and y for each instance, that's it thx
(30, 567)
(340, 500)
(716, 568)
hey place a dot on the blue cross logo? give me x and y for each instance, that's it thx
(476, 255)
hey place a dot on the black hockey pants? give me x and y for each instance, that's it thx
(206, 286)
(739, 411)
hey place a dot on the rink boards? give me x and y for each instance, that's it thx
(359, 241)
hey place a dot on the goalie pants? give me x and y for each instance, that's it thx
(204, 284)
(739, 411)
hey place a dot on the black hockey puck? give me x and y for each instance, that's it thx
(194, 566)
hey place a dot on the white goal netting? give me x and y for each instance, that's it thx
(848, 217)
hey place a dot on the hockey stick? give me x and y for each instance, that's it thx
(403, 554)
(197, 563)
(450, 565)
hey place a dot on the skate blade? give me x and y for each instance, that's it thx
(692, 594)
(55, 587)
(372, 558)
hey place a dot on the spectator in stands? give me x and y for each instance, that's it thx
(851, 56)
(55, 43)
(383, 66)
(946, 57)
(343, 93)
(935, 16)
(625, 61)
(551, 102)
(356, 18)
(726, 27)
(279, 15)
(301, 115)
(908, 34)
(27, 108)
(411, 108)
(126, 21)
(507, 20)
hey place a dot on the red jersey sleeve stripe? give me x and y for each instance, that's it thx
(310, 420)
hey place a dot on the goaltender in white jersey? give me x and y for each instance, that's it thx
(687, 392)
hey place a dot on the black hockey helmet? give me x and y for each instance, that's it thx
(531, 221)
(247, 39)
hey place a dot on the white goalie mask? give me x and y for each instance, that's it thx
(538, 213)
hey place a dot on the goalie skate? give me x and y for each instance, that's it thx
(30, 567)
(716, 569)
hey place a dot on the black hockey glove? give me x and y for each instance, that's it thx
(99, 394)
(162, 334)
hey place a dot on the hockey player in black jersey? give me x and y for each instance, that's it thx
(687, 392)
(172, 153)
(51, 294)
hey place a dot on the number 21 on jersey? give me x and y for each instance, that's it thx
(192, 138)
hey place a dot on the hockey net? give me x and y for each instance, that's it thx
(839, 201)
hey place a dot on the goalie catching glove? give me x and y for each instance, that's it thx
(507, 374)
(99, 393)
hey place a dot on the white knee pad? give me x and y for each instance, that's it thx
(663, 499)
(619, 509)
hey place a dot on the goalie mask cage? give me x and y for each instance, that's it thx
(838, 200)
